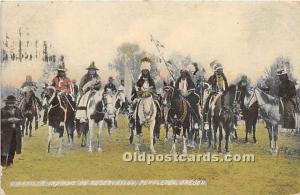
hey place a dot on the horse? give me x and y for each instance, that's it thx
(178, 116)
(221, 116)
(29, 108)
(61, 116)
(111, 111)
(166, 104)
(120, 105)
(250, 112)
(269, 110)
(147, 113)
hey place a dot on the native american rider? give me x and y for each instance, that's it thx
(218, 84)
(89, 83)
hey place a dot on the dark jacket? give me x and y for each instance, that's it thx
(110, 86)
(213, 81)
(287, 89)
(11, 132)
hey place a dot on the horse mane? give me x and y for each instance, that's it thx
(230, 89)
(267, 98)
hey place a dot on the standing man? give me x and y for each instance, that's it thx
(287, 95)
(11, 120)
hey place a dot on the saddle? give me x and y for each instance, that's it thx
(213, 101)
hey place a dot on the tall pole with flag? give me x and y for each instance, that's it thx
(170, 67)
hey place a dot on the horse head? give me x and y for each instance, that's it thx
(167, 95)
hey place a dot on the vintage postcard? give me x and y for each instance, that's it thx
(150, 97)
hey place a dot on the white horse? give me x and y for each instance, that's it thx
(269, 109)
(145, 115)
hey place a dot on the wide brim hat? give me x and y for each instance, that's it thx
(92, 66)
(10, 99)
(281, 71)
(61, 68)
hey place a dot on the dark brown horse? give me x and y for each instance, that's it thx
(178, 116)
(222, 117)
(28, 105)
(249, 111)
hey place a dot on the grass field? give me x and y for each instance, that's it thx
(268, 175)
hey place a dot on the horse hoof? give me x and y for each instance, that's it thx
(165, 140)
(173, 152)
(83, 145)
(99, 150)
(137, 149)
(220, 151)
(90, 149)
(227, 154)
(153, 151)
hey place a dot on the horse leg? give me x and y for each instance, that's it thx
(50, 133)
(200, 135)
(26, 126)
(100, 124)
(215, 129)
(30, 127)
(173, 149)
(83, 128)
(210, 137)
(220, 138)
(167, 131)
(275, 134)
(152, 137)
(254, 130)
(131, 130)
(91, 129)
(227, 133)
(270, 137)
(61, 139)
(184, 138)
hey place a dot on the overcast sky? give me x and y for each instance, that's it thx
(244, 37)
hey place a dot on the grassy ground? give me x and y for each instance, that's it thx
(268, 175)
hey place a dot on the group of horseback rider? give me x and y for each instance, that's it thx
(68, 90)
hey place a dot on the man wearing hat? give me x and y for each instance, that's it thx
(110, 85)
(29, 83)
(90, 76)
(218, 83)
(61, 82)
(287, 95)
(11, 119)
(88, 83)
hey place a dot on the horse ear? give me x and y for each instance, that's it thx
(165, 83)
